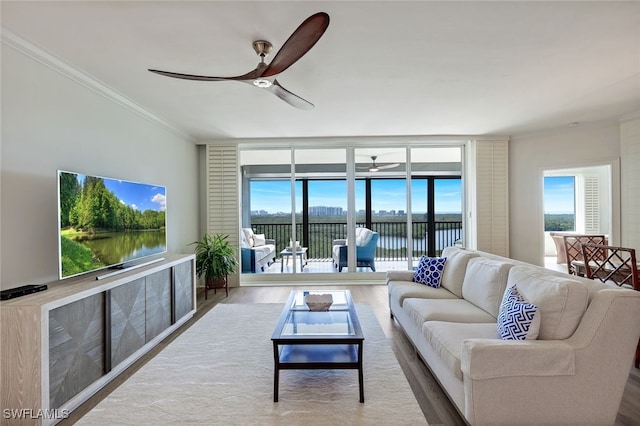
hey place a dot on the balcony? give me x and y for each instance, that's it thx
(391, 252)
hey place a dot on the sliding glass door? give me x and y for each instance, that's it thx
(312, 203)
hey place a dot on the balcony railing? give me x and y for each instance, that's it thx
(392, 244)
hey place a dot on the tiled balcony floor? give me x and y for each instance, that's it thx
(314, 266)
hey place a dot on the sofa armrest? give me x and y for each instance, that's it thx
(270, 241)
(495, 358)
(340, 242)
(399, 276)
(248, 260)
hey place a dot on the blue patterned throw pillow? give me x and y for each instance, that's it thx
(429, 271)
(517, 318)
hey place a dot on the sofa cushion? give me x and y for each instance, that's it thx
(429, 271)
(455, 268)
(447, 339)
(263, 251)
(517, 319)
(484, 283)
(561, 301)
(454, 310)
(401, 290)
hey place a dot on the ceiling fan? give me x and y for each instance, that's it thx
(375, 167)
(263, 76)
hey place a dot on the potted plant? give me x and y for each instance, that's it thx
(215, 260)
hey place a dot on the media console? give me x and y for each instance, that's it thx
(58, 347)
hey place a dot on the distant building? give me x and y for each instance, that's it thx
(325, 211)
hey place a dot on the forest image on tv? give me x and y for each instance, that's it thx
(106, 222)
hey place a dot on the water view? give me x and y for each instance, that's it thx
(112, 248)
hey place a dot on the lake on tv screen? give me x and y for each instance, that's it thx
(105, 222)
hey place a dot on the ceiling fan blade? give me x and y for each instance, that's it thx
(298, 43)
(248, 76)
(288, 97)
(388, 166)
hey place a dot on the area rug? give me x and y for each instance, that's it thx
(220, 371)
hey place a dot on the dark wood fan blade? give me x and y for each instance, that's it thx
(288, 97)
(248, 76)
(299, 43)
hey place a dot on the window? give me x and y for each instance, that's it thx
(559, 203)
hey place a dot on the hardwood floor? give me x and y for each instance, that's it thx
(433, 401)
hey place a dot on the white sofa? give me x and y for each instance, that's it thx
(256, 251)
(574, 373)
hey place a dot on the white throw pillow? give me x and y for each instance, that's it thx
(259, 240)
(517, 318)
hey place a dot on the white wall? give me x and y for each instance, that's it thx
(630, 165)
(51, 122)
(530, 155)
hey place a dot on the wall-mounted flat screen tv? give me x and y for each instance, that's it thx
(107, 223)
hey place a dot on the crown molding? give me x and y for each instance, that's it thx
(50, 60)
(631, 116)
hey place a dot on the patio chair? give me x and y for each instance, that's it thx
(366, 242)
(613, 265)
(573, 247)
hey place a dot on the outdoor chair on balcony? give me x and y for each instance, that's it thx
(366, 242)
(256, 251)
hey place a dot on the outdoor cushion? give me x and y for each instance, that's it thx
(363, 236)
(259, 240)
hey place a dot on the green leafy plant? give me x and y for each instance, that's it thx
(215, 258)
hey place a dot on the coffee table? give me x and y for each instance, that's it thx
(301, 252)
(318, 340)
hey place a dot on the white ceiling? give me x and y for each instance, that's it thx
(382, 67)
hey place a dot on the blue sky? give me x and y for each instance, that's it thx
(388, 194)
(559, 194)
(139, 196)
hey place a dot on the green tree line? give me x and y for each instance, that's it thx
(559, 222)
(91, 206)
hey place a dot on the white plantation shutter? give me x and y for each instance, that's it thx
(492, 196)
(222, 195)
(591, 204)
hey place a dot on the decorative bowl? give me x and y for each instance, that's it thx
(318, 302)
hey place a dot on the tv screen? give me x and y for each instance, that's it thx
(105, 222)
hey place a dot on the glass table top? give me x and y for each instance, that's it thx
(337, 321)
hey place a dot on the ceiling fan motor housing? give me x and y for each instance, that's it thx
(262, 48)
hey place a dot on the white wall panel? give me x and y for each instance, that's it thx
(630, 173)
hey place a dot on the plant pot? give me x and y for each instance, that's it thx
(214, 284)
